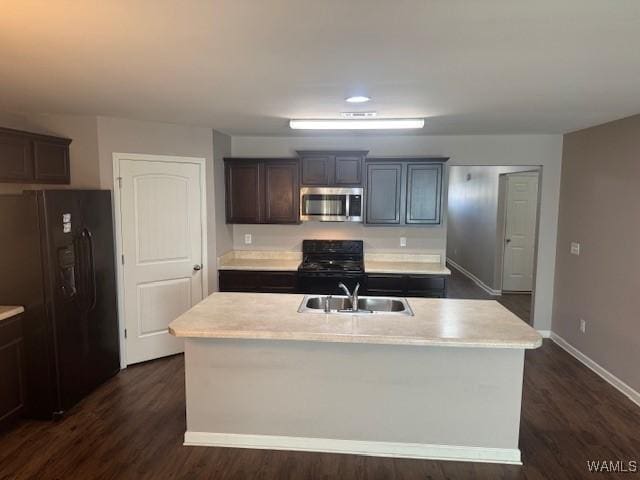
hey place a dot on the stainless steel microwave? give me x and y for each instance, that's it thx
(329, 204)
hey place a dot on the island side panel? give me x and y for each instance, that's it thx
(378, 393)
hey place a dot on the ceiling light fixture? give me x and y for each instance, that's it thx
(358, 114)
(357, 99)
(357, 124)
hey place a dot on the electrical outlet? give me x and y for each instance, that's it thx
(247, 239)
(583, 325)
(575, 248)
(403, 241)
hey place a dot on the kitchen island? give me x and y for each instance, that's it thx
(445, 383)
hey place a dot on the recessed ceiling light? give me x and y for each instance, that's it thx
(357, 124)
(357, 99)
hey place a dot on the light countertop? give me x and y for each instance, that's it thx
(399, 263)
(260, 261)
(7, 311)
(437, 322)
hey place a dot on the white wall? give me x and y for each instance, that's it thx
(379, 239)
(544, 150)
(474, 230)
(224, 232)
(13, 120)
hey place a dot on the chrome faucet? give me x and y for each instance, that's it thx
(353, 297)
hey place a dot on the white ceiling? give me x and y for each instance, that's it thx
(246, 66)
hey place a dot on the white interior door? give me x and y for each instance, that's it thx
(161, 227)
(520, 230)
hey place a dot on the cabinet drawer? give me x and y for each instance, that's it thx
(278, 282)
(237, 281)
(255, 281)
(415, 282)
(389, 285)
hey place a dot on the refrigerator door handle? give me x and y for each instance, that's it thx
(87, 234)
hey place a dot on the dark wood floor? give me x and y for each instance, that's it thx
(132, 427)
(461, 286)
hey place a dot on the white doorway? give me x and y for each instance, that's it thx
(161, 237)
(520, 220)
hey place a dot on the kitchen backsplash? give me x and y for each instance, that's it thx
(376, 239)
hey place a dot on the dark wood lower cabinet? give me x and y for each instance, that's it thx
(255, 281)
(395, 285)
(377, 284)
(12, 393)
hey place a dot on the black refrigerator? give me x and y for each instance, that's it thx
(57, 259)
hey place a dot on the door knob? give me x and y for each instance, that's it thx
(197, 268)
(507, 240)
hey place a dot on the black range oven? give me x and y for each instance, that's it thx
(326, 263)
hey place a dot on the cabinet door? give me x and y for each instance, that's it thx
(318, 169)
(384, 188)
(348, 170)
(11, 370)
(424, 183)
(51, 161)
(16, 158)
(243, 192)
(282, 192)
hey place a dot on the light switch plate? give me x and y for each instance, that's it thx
(575, 248)
(66, 217)
(66, 227)
(583, 325)
(247, 239)
(403, 241)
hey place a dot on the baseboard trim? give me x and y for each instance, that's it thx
(545, 333)
(603, 373)
(474, 279)
(355, 447)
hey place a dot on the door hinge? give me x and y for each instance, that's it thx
(122, 258)
(125, 333)
(119, 182)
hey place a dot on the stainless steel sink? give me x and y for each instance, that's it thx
(320, 303)
(366, 305)
(383, 304)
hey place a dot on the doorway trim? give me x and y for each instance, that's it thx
(502, 218)
(117, 157)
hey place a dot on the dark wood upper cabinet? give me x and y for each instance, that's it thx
(16, 157)
(51, 162)
(318, 169)
(262, 190)
(32, 158)
(332, 168)
(348, 170)
(424, 185)
(384, 189)
(281, 190)
(243, 192)
(404, 191)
